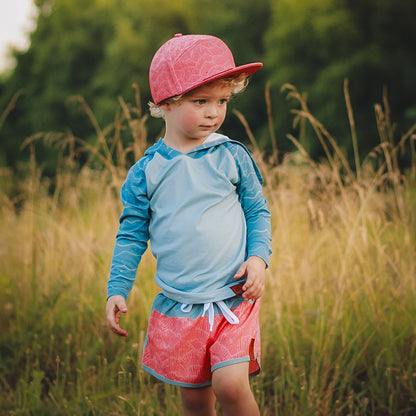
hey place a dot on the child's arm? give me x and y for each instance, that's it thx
(131, 243)
(254, 205)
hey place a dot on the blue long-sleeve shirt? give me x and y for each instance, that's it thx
(204, 213)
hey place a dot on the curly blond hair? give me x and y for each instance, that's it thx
(238, 84)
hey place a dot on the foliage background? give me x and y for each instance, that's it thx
(338, 313)
(98, 49)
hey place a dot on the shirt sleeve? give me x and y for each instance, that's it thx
(133, 233)
(249, 189)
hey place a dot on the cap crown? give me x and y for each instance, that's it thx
(186, 62)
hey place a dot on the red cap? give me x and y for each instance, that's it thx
(189, 61)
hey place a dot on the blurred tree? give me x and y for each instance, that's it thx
(66, 48)
(315, 44)
(98, 49)
(242, 26)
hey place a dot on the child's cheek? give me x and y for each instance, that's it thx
(190, 120)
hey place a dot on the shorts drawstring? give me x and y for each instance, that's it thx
(209, 307)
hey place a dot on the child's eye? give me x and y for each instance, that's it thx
(223, 101)
(200, 102)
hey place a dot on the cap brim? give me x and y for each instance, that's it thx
(247, 69)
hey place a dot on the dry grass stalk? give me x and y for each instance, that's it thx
(337, 315)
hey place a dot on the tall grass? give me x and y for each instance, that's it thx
(337, 314)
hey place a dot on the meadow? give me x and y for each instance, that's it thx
(338, 313)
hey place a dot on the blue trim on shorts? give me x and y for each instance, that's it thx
(172, 308)
(168, 380)
(230, 362)
(207, 383)
(238, 361)
(175, 383)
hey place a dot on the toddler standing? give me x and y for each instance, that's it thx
(197, 196)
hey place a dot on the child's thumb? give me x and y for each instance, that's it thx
(122, 306)
(240, 272)
(117, 303)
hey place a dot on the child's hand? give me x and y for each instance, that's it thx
(254, 268)
(116, 305)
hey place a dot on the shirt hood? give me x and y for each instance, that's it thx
(214, 139)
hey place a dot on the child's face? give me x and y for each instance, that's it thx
(198, 114)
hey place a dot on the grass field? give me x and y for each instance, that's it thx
(338, 314)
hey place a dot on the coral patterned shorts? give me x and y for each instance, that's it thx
(184, 344)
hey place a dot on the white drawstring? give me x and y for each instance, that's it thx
(229, 315)
(226, 311)
(186, 307)
(210, 308)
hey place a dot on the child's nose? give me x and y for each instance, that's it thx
(211, 111)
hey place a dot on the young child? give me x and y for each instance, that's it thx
(197, 196)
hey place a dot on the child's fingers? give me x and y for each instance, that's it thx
(242, 271)
(116, 305)
(253, 288)
(253, 268)
(119, 331)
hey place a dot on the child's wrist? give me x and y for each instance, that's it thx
(259, 259)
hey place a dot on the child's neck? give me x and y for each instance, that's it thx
(182, 146)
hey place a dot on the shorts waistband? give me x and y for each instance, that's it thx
(228, 314)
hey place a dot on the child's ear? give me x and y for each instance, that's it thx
(165, 106)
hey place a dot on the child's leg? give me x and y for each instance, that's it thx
(232, 389)
(198, 401)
